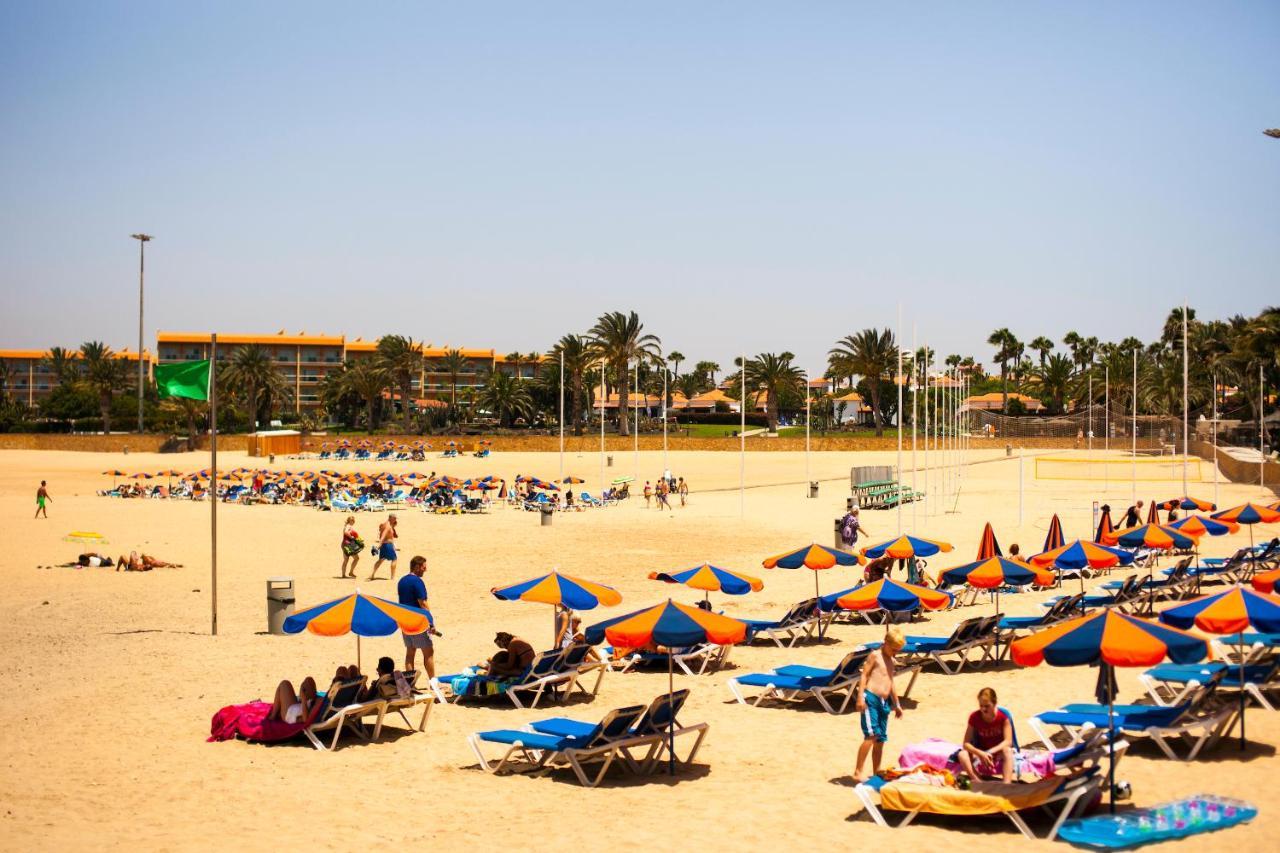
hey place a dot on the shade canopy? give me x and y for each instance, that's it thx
(560, 590)
(1188, 503)
(988, 547)
(1152, 536)
(1196, 526)
(1228, 612)
(905, 547)
(1249, 513)
(1111, 637)
(667, 624)
(813, 557)
(362, 615)
(1080, 554)
(997, 572)
(888, 594)
(1054, 539)
(709, 578)
(1266, 582)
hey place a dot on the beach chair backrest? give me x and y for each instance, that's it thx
(544, 663)
(662, 712)
(801, 611)
(852, 664)
(963, 632)
(1013, 728)
(573, 656)
(342, 694)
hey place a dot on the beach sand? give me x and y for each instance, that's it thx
(111, 678)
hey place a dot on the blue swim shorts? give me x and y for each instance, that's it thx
(875, 719)
(387, 551)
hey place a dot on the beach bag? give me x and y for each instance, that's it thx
(352, 547)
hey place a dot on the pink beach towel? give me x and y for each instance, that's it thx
(936, 753)
(250, 722)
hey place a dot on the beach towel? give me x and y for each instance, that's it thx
(936, 753)
(479, 685)
(984, 798)
(250, 722)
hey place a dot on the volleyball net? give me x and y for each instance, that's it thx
(1145, 468)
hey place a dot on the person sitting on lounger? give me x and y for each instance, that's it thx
(877, 569)
(292, 706)
(514, 659)
(143, 563)
(988, 740)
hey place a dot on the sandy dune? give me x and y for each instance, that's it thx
(112, 678)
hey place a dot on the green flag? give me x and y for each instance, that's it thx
(188, 379)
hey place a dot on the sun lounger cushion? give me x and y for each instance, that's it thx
(983, 798)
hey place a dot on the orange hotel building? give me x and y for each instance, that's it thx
(30, 380)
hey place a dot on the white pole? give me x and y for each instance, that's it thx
(807, 418)
(213, 479)
(898, 471)
(742, 444)
(562, 414)
(1134, 476)
(1186, 448)
(1262, 444)
(1215, 438)
(1089, 431)
(1020, 487)
(665, 466)
(928, 358)
(636, 432)
(602, 390)
(915, 378)
(1106, 426)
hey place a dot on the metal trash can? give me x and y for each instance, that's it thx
(838, 542)
(547, 513)
(279, 603)
(1008, 450)
(609, 460)
(813, 488)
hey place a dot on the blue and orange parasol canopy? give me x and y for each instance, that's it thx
(813, 557)
(709, 578)
(1228, 612)
(888, 594)
(667, 624)
(362, 615)
(1111, 637)
(560, 590)
(997, 572)
(1054, 538)
(988, 547)
(1196, 526)
(905, 547)
(1248, 513)
(1152, 536)
(1081, 554)
(1266, 581)
(1188, 503)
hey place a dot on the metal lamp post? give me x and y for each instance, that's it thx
(142, 239)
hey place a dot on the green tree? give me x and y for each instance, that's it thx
(619, 339)
(252, 375)
(774, 374)
(367, 378)
(1043, 346)
(104, 374)
(401, 358)
(577, 354)
(1006, 349)
(1052, 381)
(454, 364)
(674, 358)
(707, 371)
(871, 354)
(506, 398)
(62, 364)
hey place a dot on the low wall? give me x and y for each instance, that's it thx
(115, 443)
(1237, 471)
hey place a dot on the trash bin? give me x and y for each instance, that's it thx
(813, 488)
(1008, 450)
(547, 513)
(838, 542)
(279, 603)
(272, 459)
(609, 460)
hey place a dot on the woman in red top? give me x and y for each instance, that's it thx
(988, 740)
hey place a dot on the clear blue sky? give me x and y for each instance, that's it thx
(746, 176)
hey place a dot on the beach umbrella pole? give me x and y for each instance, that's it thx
(1240, 647)
(1111, 736)
(671, 718)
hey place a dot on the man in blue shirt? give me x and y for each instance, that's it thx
(412, 592)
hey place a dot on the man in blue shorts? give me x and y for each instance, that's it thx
(412, 592)
(386, 546)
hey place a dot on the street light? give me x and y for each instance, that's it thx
(142, 239)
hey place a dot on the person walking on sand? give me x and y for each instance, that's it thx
(876, 696)
(412, 592)
(352, 545)
(42, 498)
(386, 547)
(682, 488)
(663, 491)
(648, 494)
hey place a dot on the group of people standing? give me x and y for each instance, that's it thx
(659, 495)
(385, 549)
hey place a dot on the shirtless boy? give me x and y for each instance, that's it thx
(876, 695)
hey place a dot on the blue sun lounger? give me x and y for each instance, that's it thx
(1167, 684)
(657, 728)
(796, 682)
(543, 751)
(799, 621)
(1189, 722)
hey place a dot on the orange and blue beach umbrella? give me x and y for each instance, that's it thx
(1054, 538)
(997, 572)
(1106, 528)
(1082, 554)
(988, 547)
(1153, 536)
(572, 481)
(709, 579)
(888, 594)
(362, 615)
(560, 591)
(1250, 514)
(815, 557)
(1188, 503)
(1232, 611)
(905, 547)
(1196, 526)
(1266, 582)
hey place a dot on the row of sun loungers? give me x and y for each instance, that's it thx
(555, 673)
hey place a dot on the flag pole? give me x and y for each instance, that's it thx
(807, 418)
(742, 444)
(915, 387)
(635, 435)
(1215, 439)
(562, 413)
(213, 479)
(897, 472)
(602, 391)
(1185, 447)
(1133, 477)
(665, 466)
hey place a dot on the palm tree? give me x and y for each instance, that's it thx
(515, 359)
(675, 357)
(707, 369)
(252, 374)
(190, 410)
(689, 385)
(1004, 342)
(619, 339)
(1043, 346)
(61, 363)
(105, 374)
(1052, 381)
(505, 397)
(5, 374)
(576, 351)
(401, 357)
(871, 354)
(454, 363)
(367, 378)
(775, 375)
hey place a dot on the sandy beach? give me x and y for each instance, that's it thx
(112, 677)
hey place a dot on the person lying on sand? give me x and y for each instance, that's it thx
(92, 559)
(143, 563)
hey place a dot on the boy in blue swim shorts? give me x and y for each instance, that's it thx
(876, 697)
